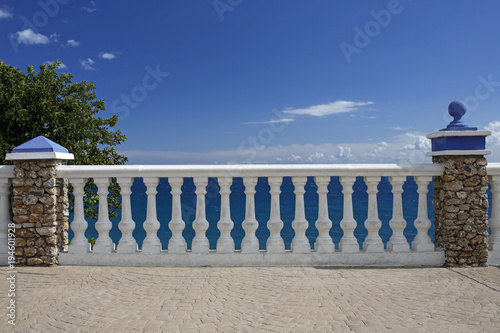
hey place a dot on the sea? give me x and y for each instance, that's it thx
(262, 204)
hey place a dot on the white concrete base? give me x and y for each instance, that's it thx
(459, 152)
(494, 258)
(386, 258)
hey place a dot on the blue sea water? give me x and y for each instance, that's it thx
(262, 203)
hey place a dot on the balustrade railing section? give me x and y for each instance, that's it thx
(323, 251)
(254, 250)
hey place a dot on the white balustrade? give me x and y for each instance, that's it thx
(348, 243)
(494, 221)
(4, 216)
(398, 253)
(225, 243)
(300, 243)
(177, 243)
(151, 243)
(103, 243)
(127, 243)
(324, 242)
(275, 243)
(373, 241)
(200, 242)
(250, 243)
(398, 242)
(422, 241)
(79, 243)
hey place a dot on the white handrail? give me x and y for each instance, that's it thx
(493, 169)
(249, 170)
(6, 171)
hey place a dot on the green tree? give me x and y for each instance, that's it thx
(50, 104)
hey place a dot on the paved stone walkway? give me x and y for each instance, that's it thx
(290, 299)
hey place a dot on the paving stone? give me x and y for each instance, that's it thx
(244, 299)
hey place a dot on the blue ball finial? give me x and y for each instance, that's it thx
(457, 110)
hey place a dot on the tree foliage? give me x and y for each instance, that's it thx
(51, 104)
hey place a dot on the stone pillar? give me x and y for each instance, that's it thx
(460, 198)
(40, 202)
(461, 209)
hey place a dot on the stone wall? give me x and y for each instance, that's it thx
(40, 212)
(461, 210)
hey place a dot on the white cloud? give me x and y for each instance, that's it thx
(317, 156)
(399, 128)
(272, 121)
(5, 13)
(107, 55)
(295, 158)
(87, 64)
(344, 152)
(72, 42)
(54, 37)
(419, 142)
(29, 37)
(381, 147)
(61, 66)
(91, 8)
(322, 110)
(407, 148)
(494, 127)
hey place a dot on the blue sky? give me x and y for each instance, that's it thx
(240, 81)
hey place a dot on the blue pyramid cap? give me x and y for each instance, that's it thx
(40, 144)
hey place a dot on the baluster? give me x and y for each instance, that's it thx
(373, 242)
(103, 243)
(4, 218)
(324, 243)
(200, 224)
(177, 243)
(275, 243)
(250, 243)
(151, 243)
(127, 243)
(398, 242)
(422, 241)
(225, 243)
(79, 243)
(300, 243)
(494, 221)
(348, 243)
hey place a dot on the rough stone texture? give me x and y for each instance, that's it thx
(461, 210)
(40, 212)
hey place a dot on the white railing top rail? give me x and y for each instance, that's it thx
(249, 170)
(493, 169)
(6, 171)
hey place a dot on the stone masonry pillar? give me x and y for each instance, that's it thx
(460, 198)
(40, 202)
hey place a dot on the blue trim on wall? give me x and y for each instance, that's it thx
(459, 143)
